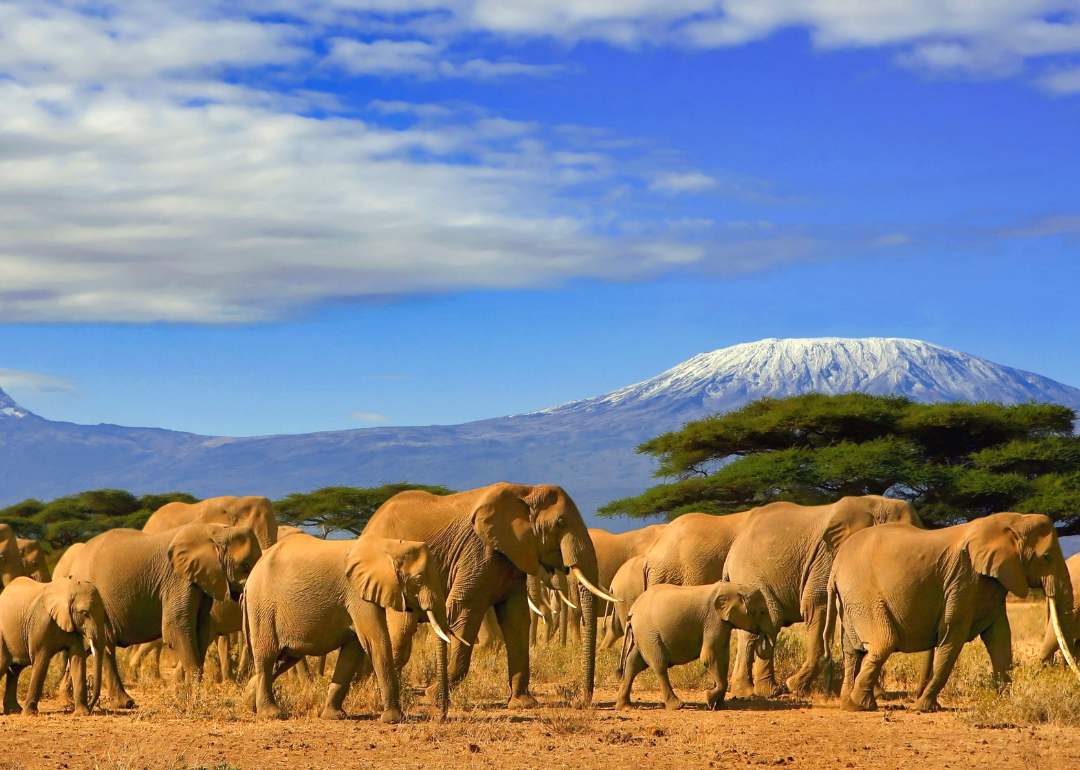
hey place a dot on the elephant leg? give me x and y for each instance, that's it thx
(862, 697)
(926, 670)
(1049, 646)
(300, 668)
(764, 673)
(513, 616)
(11, 689)
(742, 683)
(378, 646)
(633, 666)
(714, 656)
(348, 661)
(671, 700)
(118, 696)
(802, 680)
(998, 642)
(63, 690)
(467, 626)
(78, 684)
(38, 671)
(320, 667)
(945, 655)
(245, 660)
(263, 684)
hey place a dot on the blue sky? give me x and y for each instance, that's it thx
(309, 216)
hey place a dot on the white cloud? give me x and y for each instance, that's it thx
(693, 181)
(17, 380)
(368, 417)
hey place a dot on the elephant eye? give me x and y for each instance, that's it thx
(1047, 558)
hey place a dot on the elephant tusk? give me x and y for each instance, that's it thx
(460, 638)
(592, 589)
(534, 609)
(435, 626)
(568, 603)
(93, 650)
(1065, 652)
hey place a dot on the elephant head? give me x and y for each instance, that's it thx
(77, 608)
(745, 608)
(1021, 551)
(11, 563)
(539, 528)
(215, 558)
(401, 575)
(34, 561)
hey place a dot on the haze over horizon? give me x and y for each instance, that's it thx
(229, 221)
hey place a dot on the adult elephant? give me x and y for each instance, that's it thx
(786, 552)
(67, 558)
(691, 550)
(1050, 642)
(255, 513)
(900, 589)
(34, 560)
(164, 585)
(11, 563)
(486, 542)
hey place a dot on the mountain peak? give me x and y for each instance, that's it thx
(8, 407)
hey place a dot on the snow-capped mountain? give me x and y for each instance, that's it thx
(587, 446)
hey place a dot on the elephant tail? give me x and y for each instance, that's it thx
(245, 627)
(627, 643)
(832, 607)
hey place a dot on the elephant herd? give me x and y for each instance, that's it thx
(498, 556)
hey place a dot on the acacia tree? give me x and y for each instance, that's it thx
(953, 460)
(342, 509)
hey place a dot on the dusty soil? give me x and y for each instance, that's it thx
(780, 732)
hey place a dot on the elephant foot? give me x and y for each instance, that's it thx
(927, 704)
(622, 702)
(798, 684)
(269, 711)
(741, 689)
(673, 704)
(715, 701)
(30, 710)
(525, 701)
(864, 702)
(123, 701)
(847, 704)
(392, 717)
(332, 712)
(81, 710)
(767, 688)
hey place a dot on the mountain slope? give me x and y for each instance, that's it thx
(587, 446)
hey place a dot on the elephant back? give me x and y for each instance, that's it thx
(256, 513)
(693, 549)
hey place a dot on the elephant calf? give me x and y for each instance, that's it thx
(38, 620)
(671, 625)
(628, 584)
(309, 596)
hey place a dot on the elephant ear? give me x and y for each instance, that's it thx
(374, 573)
(728, 600)
(846, 518)
(57, 599)
(994, 550)
(195, 557)
(503, 521)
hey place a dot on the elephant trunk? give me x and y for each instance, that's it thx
(97, 639)
(580, 557)
(1058, 589)
(766, 643)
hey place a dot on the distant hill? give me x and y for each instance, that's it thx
(587, 446)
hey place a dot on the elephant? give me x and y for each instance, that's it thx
(612, 551)
(691, 550)
(310, 597)
(163, 586)
(896, 588)
(786, 552)
(1050, 641)
(225, 619)
(11, 563)
(34, 561)
(38, 620)
(672, 625)
(255, 513)
(284, 532)
(63, 566)
(485, 542)
(628, 584)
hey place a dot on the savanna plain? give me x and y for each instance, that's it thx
(1035, 723)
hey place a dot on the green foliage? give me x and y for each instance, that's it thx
(77, 518)
(342, 509)
(954, 461)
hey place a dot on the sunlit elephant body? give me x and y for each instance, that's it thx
(486, 541)
(672, 625)
(63, 566)
(163, 586)
(35, 562)
(38, 620)
(310, 597)
(901, 589)
(225, 620)
(786, 552)
(1050, 642)
(627, 585)
(11, 562)
(255, 513)
(691, 550)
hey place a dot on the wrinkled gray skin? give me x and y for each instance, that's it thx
(672, 625)
(11, 563)
(163, 585)
(38, 620)
(1050, 643)
(34, 560)
(786, 551)
(628, 584)
(901, 589)
(486, 541)
(310, 597)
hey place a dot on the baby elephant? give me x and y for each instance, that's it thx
(671, 625)
(38, 620)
